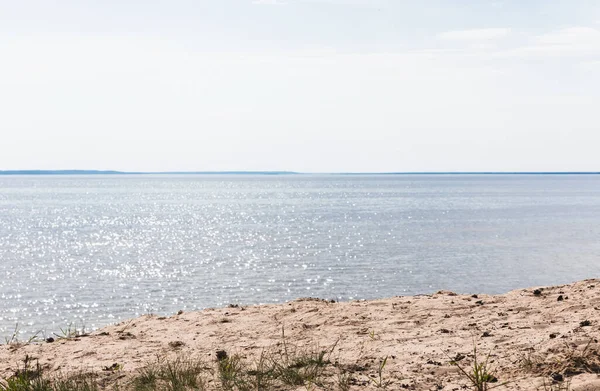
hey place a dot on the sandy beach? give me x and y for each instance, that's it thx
(533, 337)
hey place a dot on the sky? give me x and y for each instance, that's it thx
(300, 85)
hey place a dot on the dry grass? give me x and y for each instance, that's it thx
(283, 366)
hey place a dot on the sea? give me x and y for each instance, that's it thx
(87, 251)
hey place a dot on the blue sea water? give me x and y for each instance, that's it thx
(92, 250)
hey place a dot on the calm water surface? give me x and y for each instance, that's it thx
(96, 249)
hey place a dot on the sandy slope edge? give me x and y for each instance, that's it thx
(530, 336)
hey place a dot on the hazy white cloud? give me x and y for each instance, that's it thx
(590, 65)
(121, 102)
(573, 41)
(475, 34)
(368, 3)
(570, 36)
(336, 85)
(335, 2)
(269, 2)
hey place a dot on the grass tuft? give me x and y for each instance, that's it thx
(480, 374)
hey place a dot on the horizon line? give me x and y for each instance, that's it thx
(243, 172)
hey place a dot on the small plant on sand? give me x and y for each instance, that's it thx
(580, 361)
(296, 366)
(373, 335)
(26, 378)
(79, 382)
(480, 374)
(13, 339)
(343, 380)
(178, 374)
(571, 360)
(232, 373)
(378, 381)
(71, 331)
(181, 374)
(261, 376)
(125, 326)
(557, 386)
(530, 361)
(146, 378)
(30, 377)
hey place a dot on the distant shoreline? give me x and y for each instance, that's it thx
(100, 172)
(108, 172)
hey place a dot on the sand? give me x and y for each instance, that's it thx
(530, 335)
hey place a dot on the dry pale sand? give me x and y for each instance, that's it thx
(529, 336)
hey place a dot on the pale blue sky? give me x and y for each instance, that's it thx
(302, 85)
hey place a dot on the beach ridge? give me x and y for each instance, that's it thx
(532, 336)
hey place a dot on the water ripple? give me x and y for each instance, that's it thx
(93, 250)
